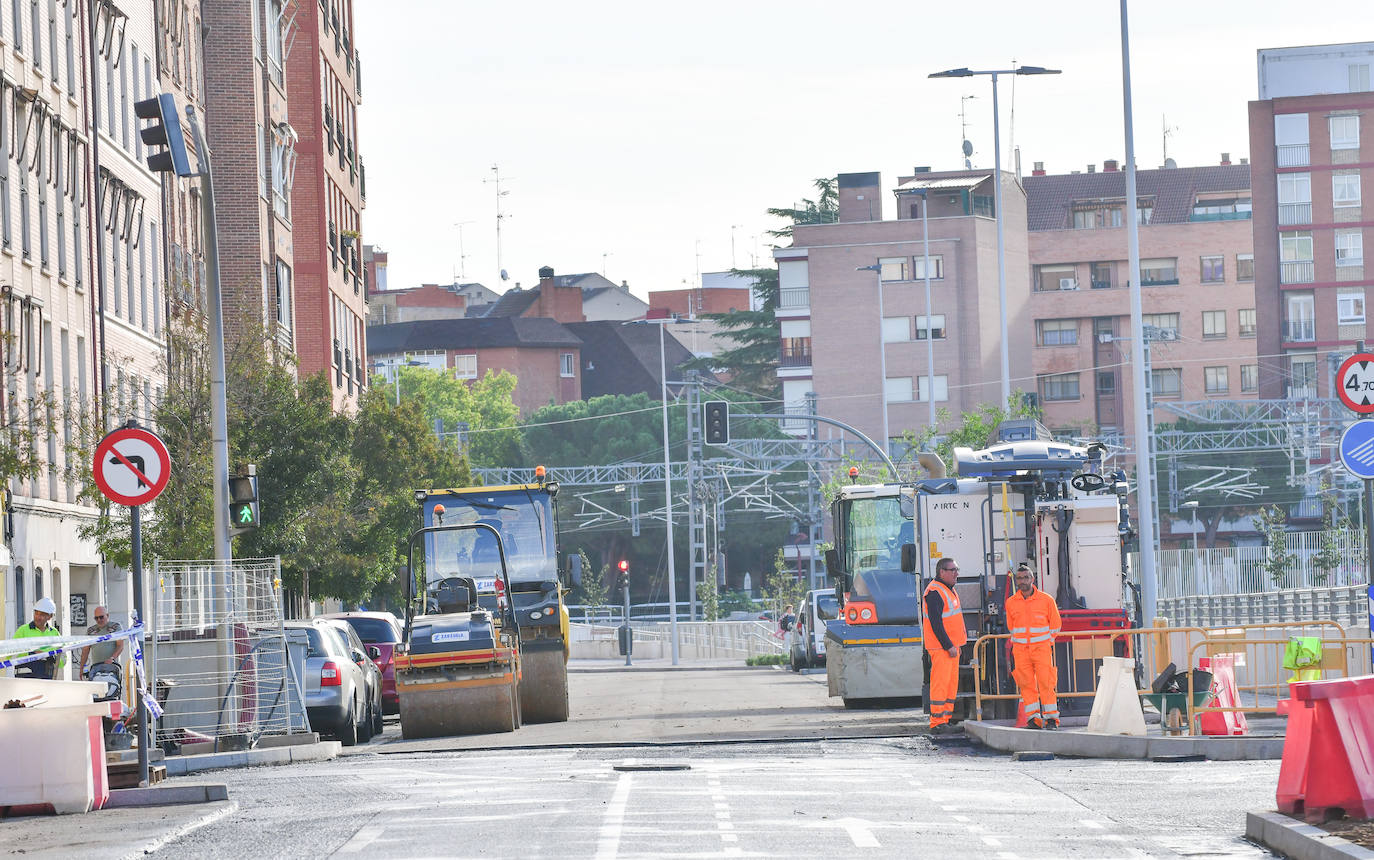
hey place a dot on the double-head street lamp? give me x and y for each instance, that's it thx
(396, 364)
(997, 203)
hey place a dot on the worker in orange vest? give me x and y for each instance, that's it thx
(1033, 620)
(944, 634)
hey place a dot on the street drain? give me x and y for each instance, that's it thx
(640, 767)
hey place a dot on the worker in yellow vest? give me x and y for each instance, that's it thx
(943, 634)
(41, 626)
(1033, 621)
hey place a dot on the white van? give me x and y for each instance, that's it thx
(806, 639)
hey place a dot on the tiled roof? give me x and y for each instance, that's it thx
(469, 334)
(513, 303)
(1049, 199)
(624, 359)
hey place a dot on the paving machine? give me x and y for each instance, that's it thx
(523, 519)
(1024, 498)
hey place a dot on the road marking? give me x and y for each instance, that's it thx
(963, 819)
(362, 839)
(860, 832)
(1095, 825)
(613, 822)
(992, 841)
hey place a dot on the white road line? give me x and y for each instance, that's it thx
(189, 827)
(728, 837)
(962, 819)
(859, 832)
(362, 839)
(992, 841)
(1095, 825)
(613, 821)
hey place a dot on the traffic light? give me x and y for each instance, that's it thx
(244, 514)
(622, 580)
(717, 422)
(164, 131)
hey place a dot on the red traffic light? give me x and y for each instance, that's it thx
(623, 565)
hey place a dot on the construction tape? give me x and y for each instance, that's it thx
(58, 644)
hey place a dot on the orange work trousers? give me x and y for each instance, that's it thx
(1036, 677)
(944, 686)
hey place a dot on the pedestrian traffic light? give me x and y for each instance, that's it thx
(717, 422)
(165, 131)
(244, 513)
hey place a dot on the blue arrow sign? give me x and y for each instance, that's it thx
(1357, 448)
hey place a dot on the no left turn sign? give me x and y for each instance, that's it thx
(131, 466)
(1355, 382)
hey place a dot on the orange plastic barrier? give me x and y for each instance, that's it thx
(1328, 752)
(1223, 669)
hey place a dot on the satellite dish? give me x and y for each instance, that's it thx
(968, 149)
(1170, 164)
(504, 276)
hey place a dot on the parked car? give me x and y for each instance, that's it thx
(806, 638)
(335, 685)
(365, 656)
(383, 630)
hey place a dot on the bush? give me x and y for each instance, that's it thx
(766, 660)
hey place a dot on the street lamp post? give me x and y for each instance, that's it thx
(667, 478)
(882, 348)
(997, 203)
(1192, 505)
(396, 364)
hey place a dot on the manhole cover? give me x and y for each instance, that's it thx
(665, 766)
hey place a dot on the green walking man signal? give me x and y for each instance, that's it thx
(244, 513)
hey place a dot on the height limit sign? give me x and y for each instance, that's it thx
(1355, 382)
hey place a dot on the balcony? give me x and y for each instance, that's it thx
(1219, 216)
(358, 74)
(795, 354)
(362, 180)
(1295, 213)
(1292, 155)
(794, 298)
(1297, 272)
(1299, 331)
(1102, 285)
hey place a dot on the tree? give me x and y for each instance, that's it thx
(1328, 556)
(824, 210)
(485, 406)
(752, 364)
(1277, 558)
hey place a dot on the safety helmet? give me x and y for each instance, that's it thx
(45, 604)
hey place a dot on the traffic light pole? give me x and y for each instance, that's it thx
(219, 419)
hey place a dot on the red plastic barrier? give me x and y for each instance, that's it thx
(1328, 753)
(1223, 669)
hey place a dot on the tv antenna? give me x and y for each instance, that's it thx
(500, 216)
(462, 256)
(1167, 132)
(963, 130)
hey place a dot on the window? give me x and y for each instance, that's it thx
(1166, 323)
(1245, 267)
(1350, 308)
(1345, 190)
(897, 389)
(941, 388)
(1249, 377)
(1059, 386)
(1213, 270)
(1215, 381)
(1291, 140)
(892, 268)
(1302, 375)
(274, 40)
(1160, 272)
(1057, 277)
(1295, 188)
(566, 367)
(285, 296)
(1245, 322)
(1345, 132)
(1295, 246)
(937, 268)
(1349, 248)
(465, 366)
(1057, 332)
(1106, 383)
(896, 329)
(1101, 274)
(937, 331)
(1166, 382)
(1221, 209)
(1214, 324)
(793, 284)
(1359, 77)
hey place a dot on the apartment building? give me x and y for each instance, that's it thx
(250, 133)
(1198, 289)
(324, 88)
(1310, 152)
(862, 361)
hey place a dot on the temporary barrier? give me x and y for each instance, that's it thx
(54, 752)
(1328, 763)
(1116, 707)
(1221, 721)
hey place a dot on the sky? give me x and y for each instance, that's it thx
(645, 141)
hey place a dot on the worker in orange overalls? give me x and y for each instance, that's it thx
(942, 626)
(1033, 621)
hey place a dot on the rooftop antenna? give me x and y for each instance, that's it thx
(963, 130)
(1168, 131)
(604, 255)
(500, 216)
(462, 256)
(733, 228)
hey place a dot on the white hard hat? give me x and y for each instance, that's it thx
(45, 604)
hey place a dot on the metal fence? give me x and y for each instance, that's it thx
(1246, 569)
(218, 651)
(1346, 605)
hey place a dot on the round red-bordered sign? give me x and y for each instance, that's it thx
(131, 466)
(1355, 382)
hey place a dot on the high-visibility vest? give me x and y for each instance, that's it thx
(1032, 620)
(952, 620)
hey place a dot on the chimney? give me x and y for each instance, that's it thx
(1245, 161)
(625, 285)
(1225, 159)
(1111, 165)
(1092, 168)
(860, 196)
(1037, 168)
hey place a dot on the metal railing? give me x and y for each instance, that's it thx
(794, 298)
(1300, 330)
(1297, 272)
(1247, 569)
(1292, 155)
(1295, 213)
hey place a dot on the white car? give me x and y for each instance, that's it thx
(806, 639)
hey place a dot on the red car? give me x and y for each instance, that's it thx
(383, 630)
